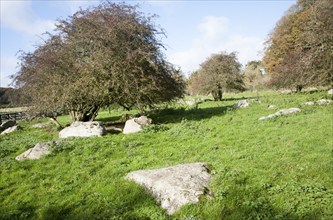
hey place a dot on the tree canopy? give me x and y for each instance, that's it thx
(299, 51)
(110, 54)
(254, 75)
(219, 72)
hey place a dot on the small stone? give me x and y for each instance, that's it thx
(242, 104)
(330, 92)
(136, 124)
(324, 102)
(309, 103)
(286, 91)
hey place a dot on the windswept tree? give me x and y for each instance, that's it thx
(220, 72)
(105, 55)
(299, 50)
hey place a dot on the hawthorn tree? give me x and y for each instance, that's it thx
(299, 50)
(105, 55)
(220, 72)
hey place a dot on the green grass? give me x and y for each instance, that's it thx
(275, 169)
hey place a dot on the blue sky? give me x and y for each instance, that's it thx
(195, 29)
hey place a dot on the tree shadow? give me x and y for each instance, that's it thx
(107, 120)
(241, 98)
(175, 115)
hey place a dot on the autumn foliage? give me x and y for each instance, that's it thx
(299, 51)
(110, 54)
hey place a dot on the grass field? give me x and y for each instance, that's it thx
(275, 169)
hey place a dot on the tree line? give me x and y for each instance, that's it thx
(112, 55)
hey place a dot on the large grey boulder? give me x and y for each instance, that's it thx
(37, 151)
(11, 129)
(174, 186)
(83, 129)
(330, 92)
(6, 125)
(281, 112)
(242, 104)
(136, 124)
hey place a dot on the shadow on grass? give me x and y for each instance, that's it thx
(108, 119)
(238, 99)
(172, 115)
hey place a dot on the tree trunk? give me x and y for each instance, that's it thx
(84, 115)
(217, 93)
(299, 87)
(55, 121)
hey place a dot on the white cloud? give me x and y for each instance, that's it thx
(213, 27)
(8, 64)
(19, 16)
(214, 37)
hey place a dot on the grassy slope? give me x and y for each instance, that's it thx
(276, 169)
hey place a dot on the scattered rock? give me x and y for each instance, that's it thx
(271, 107)
(255, 100)
(11, 129)
(41, 125)
(286, 91)
(312, 89)
(174, 186)
(281, 112)
(136, 124)
(242, 104)
(6, 125)
(83, 129)
(309, 103)
(330, 92)
(37, 151)
(324, 102)
(190, 102)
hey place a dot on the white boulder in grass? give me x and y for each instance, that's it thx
(136, 124)
(39, 150)
(11, 129)
(281, 112)
(83, 129)
(309, 103)
(330, 92)
(324, 102)
(174, 186)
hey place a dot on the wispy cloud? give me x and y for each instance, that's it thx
(214, 36)
(8, 64)
(19, 16)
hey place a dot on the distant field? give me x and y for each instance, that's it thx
(276, 169)
(11, 110)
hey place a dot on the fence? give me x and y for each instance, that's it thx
(12, 116)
